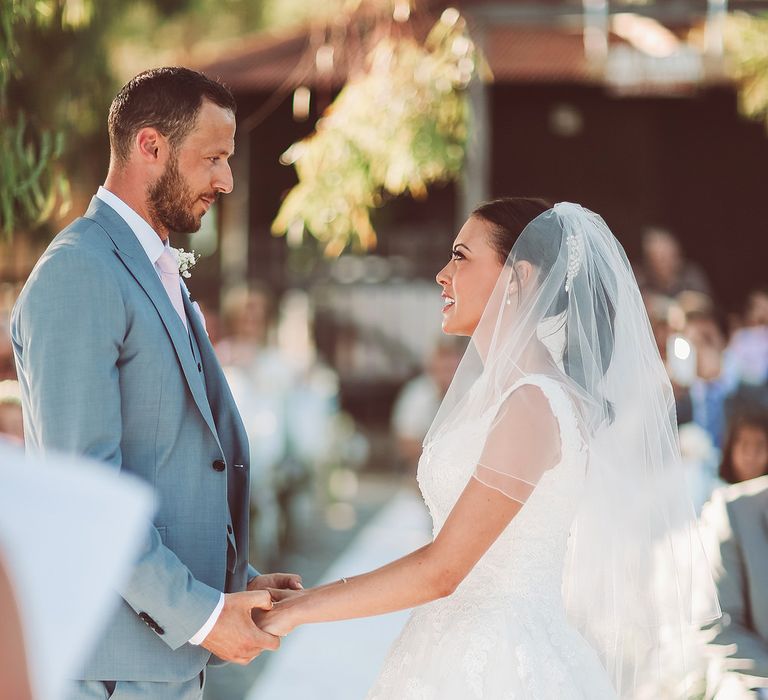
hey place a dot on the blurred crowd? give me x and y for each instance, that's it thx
(306, 450)
(718, 366)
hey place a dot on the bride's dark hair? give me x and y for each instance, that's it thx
(508, 217)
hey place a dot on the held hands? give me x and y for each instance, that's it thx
(281, 587)
(279, 621)
(234, 637)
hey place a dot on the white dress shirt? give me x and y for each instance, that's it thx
(153, 246)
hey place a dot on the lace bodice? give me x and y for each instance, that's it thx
(527, 559)
(504, 633)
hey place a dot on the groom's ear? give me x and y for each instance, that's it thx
(149, 143)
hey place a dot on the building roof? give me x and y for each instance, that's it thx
(516, 52)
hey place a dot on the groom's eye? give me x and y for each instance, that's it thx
(214, 159)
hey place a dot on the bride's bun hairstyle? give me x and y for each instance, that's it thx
(508, 218)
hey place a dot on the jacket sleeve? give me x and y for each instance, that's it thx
(68, 330)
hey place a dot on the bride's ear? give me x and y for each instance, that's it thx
(521, 277)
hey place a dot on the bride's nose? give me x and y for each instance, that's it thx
(442, 277)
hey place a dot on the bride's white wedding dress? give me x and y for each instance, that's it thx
(503, 634)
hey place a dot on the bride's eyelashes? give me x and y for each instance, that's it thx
(456, 254)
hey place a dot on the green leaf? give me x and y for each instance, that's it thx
(397, 128)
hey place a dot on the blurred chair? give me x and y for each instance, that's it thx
(735, 529)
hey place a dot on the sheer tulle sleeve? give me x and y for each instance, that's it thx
(522, 443)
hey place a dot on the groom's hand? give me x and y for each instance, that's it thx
(235, 637)
(265, 581)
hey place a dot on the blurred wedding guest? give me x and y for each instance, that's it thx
(261, 381)
(287, 398)
(248, 329)
(664, 270)
(745, 452)
(756, 312)
(69, 534)
(417, 403)
(747, 349)
(714, 383)
(11, 414)
(734, 524)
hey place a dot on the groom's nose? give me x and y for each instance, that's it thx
(223, 181)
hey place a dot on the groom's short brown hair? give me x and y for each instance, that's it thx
(167, 99)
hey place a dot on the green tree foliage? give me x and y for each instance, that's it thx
(61, 62)
(399, 126)
(747, 48)
(29, 184)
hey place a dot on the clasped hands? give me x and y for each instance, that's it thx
(241, 632)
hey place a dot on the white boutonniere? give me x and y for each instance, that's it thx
(186, 261)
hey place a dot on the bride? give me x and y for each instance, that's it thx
(564, 553)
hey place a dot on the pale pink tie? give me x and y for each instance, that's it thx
(169, 274)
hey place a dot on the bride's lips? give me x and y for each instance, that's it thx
(448, 303)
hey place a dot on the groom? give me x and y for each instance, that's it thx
(114, 363)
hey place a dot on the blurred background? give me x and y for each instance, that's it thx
(367, 131)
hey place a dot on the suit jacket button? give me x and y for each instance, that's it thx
(229, 529)
(219, 465)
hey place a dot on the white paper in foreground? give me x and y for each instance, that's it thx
(69, 533)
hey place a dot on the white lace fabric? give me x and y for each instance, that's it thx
(503, 634)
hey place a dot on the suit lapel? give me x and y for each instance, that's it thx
(231, 429)
(132, 255)
(220, 398)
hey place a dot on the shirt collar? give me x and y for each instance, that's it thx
(152, 244)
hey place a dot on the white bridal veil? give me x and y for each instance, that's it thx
(567, 305)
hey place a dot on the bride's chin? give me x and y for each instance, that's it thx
(451, 328)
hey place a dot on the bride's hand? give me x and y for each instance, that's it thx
(278, 621)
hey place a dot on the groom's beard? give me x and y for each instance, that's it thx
(171, 202)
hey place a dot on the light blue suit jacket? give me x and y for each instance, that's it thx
(108, 370)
